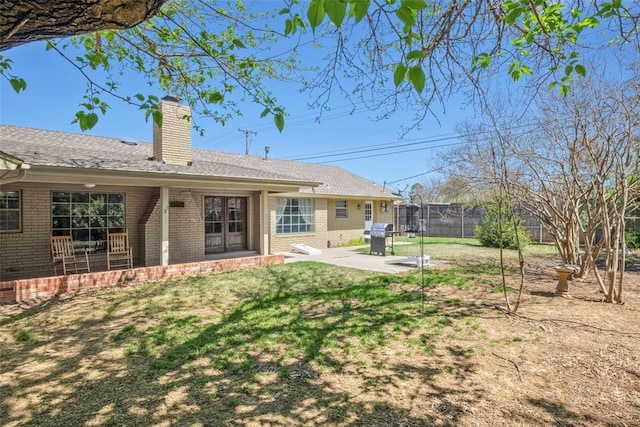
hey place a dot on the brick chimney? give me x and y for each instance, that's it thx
(172, 142)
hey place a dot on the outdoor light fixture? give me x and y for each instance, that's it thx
(383, 205)
(89, 185)
(358, 206)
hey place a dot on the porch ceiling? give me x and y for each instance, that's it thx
(57, 175)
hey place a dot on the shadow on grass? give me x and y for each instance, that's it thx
(274, 356)
(561, 415)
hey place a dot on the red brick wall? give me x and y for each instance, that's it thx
(47, 287)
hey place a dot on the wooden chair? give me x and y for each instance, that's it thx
(119, 253)
(62, 252)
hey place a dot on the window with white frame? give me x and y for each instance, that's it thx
(87, 217)
(294, 215)
(341, 209)
(10, 211)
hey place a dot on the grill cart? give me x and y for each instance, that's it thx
(380, 231)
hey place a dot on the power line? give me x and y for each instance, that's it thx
(393, 145)
(394, 152)
(367, 150)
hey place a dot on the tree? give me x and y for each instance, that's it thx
(390, 54)
(418, 190)
(495, 230)
(24, 22)
(574, 168)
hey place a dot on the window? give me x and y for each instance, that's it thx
(87, 217)
(10, 211)
(341, 208)
(294, 216)
(368, 211)
(236, 208)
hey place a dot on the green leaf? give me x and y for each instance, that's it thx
(414, 4)
(564, 89)
(284, 11)
(214, 97)
(399, 74)
(581, 70)
(239, 43)
(417, 78)
(552, 85)
(315, 13)
(278, 119)
(512, 16)
(157, 117)
(407, 16)
(86, 121)
(336, 10)
(288, 27)
(18, 84)
(415, 54)
(90, 121)
(265, 112)
(360, 9)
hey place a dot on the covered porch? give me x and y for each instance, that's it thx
(173, 221)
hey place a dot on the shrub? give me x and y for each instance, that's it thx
(354, 242)
(632, 239)
(488, 231)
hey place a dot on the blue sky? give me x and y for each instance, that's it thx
(55, 89)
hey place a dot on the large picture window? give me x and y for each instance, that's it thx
(87, 217)
(294, 216)
(10, 211)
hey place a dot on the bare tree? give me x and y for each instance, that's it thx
(573, 167)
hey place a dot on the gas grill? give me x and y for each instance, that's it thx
(380, 231)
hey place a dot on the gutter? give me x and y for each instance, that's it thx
(146, 178)
(9, 177)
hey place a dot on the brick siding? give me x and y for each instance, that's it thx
(316, 239)
(48, 287)
(329, 230)
(172, 142)
(28, 253)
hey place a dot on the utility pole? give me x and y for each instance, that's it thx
(246, 138)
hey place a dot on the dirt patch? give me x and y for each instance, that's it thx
(559, 361)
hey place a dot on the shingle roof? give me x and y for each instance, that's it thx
(49, 148)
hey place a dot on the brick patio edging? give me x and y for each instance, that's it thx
(47, 287)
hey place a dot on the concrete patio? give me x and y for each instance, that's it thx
(347, 257)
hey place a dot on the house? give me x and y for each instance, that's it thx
(178, 204)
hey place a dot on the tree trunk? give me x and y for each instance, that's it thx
(26, 21)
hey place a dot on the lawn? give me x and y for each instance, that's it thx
(311, 344)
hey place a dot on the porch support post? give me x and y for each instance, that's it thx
(164, 225)
(264, 222)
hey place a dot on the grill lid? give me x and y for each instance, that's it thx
(381, 229)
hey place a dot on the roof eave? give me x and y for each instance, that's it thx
(56, 174)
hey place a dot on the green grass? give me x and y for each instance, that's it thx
(303, 311)
(26, 335)
(354, 242)
(456, 249)
(312, 312)
(232, 339)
